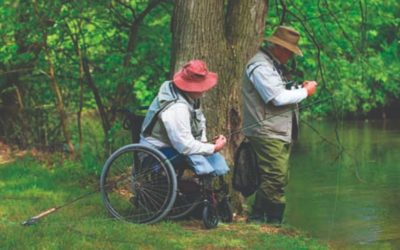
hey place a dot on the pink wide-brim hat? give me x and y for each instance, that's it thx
(195, 77)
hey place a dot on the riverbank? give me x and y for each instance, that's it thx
(29, 186)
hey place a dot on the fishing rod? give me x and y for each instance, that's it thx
(33, 220)
(36, 218)
(302, 107)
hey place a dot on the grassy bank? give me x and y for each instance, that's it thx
(28, 186)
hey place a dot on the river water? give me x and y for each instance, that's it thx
(349, 197)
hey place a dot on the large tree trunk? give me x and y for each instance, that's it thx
(225, 34)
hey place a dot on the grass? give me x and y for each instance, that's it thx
(28, 187)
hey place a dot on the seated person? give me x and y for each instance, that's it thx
(175, 123)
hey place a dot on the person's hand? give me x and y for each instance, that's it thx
(310, 86)
(219, 142)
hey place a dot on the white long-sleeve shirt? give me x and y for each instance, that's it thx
(176, 120)
(270, 86)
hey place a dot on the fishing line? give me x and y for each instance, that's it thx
(301, 107)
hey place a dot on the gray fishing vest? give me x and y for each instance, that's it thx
(262, 119)
(169, 95)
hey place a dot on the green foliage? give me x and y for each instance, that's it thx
(350, 48)
(101, 31)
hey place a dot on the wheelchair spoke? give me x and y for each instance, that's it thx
(154, 194)
(157, 190)
(156, 204)
(146, 172)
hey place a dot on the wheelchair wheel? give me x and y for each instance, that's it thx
(225, 210)
(210, 216)
(138, 184)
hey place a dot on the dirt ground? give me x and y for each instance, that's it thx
(7, 154)
(239, 223)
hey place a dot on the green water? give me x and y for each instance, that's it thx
(351, 199)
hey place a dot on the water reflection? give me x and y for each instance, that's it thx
(350, 198)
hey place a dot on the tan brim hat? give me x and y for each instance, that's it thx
(287, 38)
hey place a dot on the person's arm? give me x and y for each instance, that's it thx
(176, 120)
(266, 80)
(270, 86)
(290, 96)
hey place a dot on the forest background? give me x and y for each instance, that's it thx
(68, 68)
(69, 71)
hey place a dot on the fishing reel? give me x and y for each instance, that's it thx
(293, 85)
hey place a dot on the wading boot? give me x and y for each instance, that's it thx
(256, 217)
(257, 212)
(275, 213)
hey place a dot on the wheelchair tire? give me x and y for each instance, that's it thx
(138, 184)
(225, 210)
(210, 216)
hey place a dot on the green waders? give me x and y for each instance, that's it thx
(273, 163)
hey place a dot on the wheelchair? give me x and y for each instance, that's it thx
(139, 184)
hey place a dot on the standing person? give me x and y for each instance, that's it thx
(175, 123)
(270, 120)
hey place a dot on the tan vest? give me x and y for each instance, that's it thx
(264, 119)
(169, 95)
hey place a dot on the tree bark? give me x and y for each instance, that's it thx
(225, 34)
